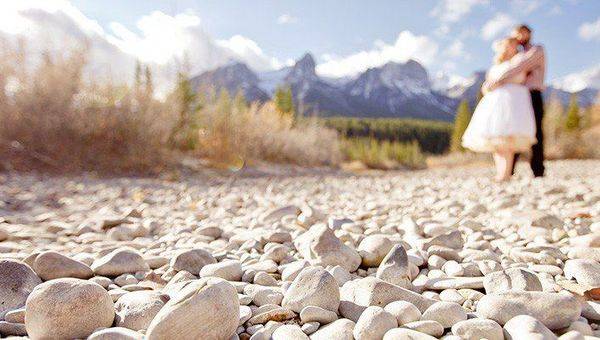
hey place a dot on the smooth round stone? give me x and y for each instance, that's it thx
(452, 295)
(318, 314)
(67, 308)
(475, 329)
(314, 286)
(340, 329)
(446, 313)
(373, 323)
(554, 310)
(230, 270)
(406, 334)
(192, 260)
(120, 261)
(52, 265)
(523, 327)
(404, 311)
(17, 280)
(191, 313)
(135, 310)
(289, 332)
(115, 333)
(429, 327)
(373, 249)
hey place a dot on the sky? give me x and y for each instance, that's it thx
(452, 38)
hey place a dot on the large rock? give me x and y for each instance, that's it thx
(67, 308)
(207, 308)
(511, 279)
(321, 247)
(585, 271)
(135, 310)
(340, 329)
(314, 286)
(359, 294)
(373, 249)
(192, 260)
(476, 329)
(52, 265)
(373, 323)
(17, 280)
(120, 261)
(525, 327)
(394, 267)
(554, 310)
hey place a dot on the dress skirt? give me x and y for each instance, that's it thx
(503, 120)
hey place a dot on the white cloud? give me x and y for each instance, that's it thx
(160, 40)
(590, 30)
(497, 25)
(454, 10)
(525, 6)
(286, 19)
(580, 80)
(555, 10)
(407, 46)
(457, 50)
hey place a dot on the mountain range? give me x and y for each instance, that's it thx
(393, 90)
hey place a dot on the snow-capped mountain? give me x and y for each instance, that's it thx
(399, 90)
(234, 77)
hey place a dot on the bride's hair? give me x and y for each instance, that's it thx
(501, 49)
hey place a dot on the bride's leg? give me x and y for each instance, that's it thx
(505, 165)
(500, 163)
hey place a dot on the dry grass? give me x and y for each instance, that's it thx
(54, 121)
(231, 131)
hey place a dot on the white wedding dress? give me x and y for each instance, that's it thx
(503, 118)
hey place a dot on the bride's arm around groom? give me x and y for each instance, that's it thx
(524, 61)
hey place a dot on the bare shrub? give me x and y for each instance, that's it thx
(52, 119)
(231, 130)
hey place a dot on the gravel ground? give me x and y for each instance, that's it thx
(440, 253)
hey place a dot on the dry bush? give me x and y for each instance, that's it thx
(53, 120)
(384, 155)
(231, 130)
(581, 143)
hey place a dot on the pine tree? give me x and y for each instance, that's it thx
(461, 121)
(183, 134)
(284, 100)
(148, 83)
(572, 123)
(137, 76)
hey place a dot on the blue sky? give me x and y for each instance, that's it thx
(347, 36)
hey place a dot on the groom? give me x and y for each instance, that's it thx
(532, 61)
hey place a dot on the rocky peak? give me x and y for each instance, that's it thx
(304, 69)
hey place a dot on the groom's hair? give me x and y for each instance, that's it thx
(523, 27)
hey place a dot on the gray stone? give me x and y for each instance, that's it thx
(52, 265)
(17, 280)
(120, 261)
(394, 267)
(192, 260)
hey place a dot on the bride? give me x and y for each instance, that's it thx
(503, 122)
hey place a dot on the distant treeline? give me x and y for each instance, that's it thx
(432, 136)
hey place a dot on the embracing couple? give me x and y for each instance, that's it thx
(508, 119)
